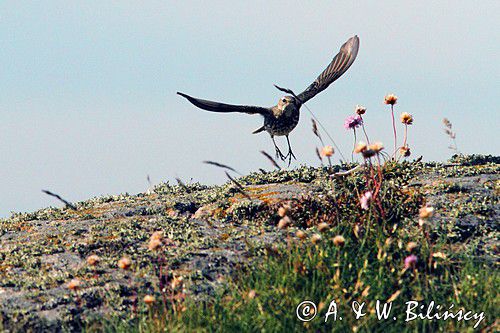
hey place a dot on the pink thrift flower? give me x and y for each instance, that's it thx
(365, 199)
(410, 261)
(353, 122)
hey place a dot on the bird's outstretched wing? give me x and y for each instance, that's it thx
(339, 65)
(221, 107)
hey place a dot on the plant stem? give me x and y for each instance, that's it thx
(455, 144)
(394, 128)
(404, 141)
(406, 135)
(364, 131)
(354, 147)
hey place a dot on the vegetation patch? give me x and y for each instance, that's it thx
(190, 257)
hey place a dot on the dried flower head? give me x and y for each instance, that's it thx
(390, 99)
(411, 246)
(367, 153)
(300, 234)
(177, 282)
(284, 222)
(360, 147)
(439, 255)
(154, 244)
(315, 128)
(284, 210)
(356, 230)
(365, 200)
(318, 154)
(447, 123)
(172, 213)
(339, 240)
(426, 212)
(323, 227)
(327, 151)
(148, 299)
(124, 263)
(353, 122)
(157, 235)
(411, 261)
(93, 260)
(376, 147)
(316, 239)
(251, 294)
(449, 131)
(405, 151)
(406, 118)
(360, 109)
(74, 284)
(372, 149)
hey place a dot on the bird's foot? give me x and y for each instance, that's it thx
(289, 156)
(279, 154)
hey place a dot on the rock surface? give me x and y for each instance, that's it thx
(209, 231)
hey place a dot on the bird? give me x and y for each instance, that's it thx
(281, 119)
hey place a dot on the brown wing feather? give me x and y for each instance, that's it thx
(221, 107)
(338, 66)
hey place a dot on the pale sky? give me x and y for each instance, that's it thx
(87, 88)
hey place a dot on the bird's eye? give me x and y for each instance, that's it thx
(283, 100)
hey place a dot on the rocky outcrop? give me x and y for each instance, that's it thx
(211, 231)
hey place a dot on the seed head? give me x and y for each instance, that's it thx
(339, 240)
(405, 151)
(74, 284)
(411, 246)
(284, 223)
(376, 147)
(360, 147)
(323, 227)
(172, 213)
(148, 299)
(316, 239)
(154, 244)
(372, 149)
(367, 153)
(406, 118)
(93, 260)
(327, 151)
(360, 109)
(300, 234)
(283, 211)
(177, 281)
(439, 255)
(315, 128)
(447, 123)
(251, 294)
(390, 99)
(426, 212)
(124, 263)
(157, 235)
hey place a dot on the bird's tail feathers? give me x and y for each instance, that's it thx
(258, 130)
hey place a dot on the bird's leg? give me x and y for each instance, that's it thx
(279, 154)
(290, 152)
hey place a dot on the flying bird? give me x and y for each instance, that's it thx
(281, 119)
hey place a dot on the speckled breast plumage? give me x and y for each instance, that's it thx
(282, 124)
